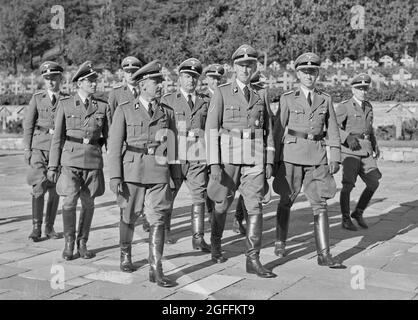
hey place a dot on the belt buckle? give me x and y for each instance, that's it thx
(366, 136)
(51, 131)
(310, 136)
(246, 135)
(191, 133)
(86, 140)
(151, 150)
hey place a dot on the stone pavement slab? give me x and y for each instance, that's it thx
(70, 272)
(7, 271)
(407, 263)
(391, 280)
(211, 284)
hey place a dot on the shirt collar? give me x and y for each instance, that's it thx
(144, 102)
(359, 102)
(241, 85)
(306, 91)
(82, 96)
(185, 94)
(211, 91)
(50, 93)
(131, 87)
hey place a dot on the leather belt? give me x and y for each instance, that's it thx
(361, 136)
(303, 135)
(148, 150)
(44, 129)
(241, 134)
(84, 140)
(191, 133)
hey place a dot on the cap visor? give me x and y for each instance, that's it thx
(191, 72)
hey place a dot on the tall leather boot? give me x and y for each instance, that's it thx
(198, 221)
(51, 213)
(126, 236)
(167, 229)
(345, 211)
(364, 200)
(156, 247)
(69, 221)
(240, 215)
(321, 228)
(282, 228)
(217, 229)
(37, 214)
(210, 206)
(253, 241)
(84, 224)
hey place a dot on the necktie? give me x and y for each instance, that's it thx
(150, 110)
(190, 101)
(246, 93)
(363, 105)
(135, 92)
(53, 99)
(309, 99)
(86, 104)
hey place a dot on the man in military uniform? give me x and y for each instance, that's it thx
(241, 213)
(190, 110)
(359, 150)
(213, 73)
(81, 128)
(301, 156)
(38, 129)
(240, 152)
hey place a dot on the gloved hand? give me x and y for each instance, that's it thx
(28, 155)
(216, 172)
(353, 142)
(115, 185)
(269, 170)
(52, 175)
(376, 152)
(334, 167)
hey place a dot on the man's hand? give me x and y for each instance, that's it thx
(216, 172)
(334, 167)
(28, 155)
(52, 175)
(376, 152)
(115, 185)
(353, 142)
(269, 170)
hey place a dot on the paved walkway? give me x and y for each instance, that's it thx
(382, 262)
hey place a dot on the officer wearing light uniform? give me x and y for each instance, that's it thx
(301, 157)
(138, 167)
(240, 152)
(190, 110)
(359, 150)
(38, 128)
(81, 128)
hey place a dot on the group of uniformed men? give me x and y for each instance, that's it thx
(218, 142)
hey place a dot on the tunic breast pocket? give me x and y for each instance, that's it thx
(296, 115)
(73, 121)
(135, 129)
(232, 112)
(163, 123)
(180, 116)
(43, 113)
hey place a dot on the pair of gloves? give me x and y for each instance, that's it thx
(354, 145)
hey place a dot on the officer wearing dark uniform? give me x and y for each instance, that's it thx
(129, 91)
(359, 150)
(139, 169)
(38, 129)
(190, 110)
(213, 73)
(81, 128)
(301, 156)
(240, 211)
(240, 151)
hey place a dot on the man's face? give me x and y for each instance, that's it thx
(88, 85)
(213, 81)
(151, 88)
(244, 70)
(308, 76)
(53, 81)
(127, 73)
(360, 92)
(188, 81)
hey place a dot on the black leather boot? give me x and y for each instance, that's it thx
(282, 228)
(364, 200)
(321, 228)
(126, 236)
(69, 221)
(240, 215)
(345, 211)
(167, 229)
(37, 215)
(217, 229)
(198, 221)
(210, 207)
(51, 213)
(253, 241)
(156, 247)
(84, 224)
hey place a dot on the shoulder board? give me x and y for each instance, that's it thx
(224, 84)
(120, 85)
(101, 100)
(345, 101)
(289, 92)
(122, 103)
(38, 93)
(167, 94)
(65, 97)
